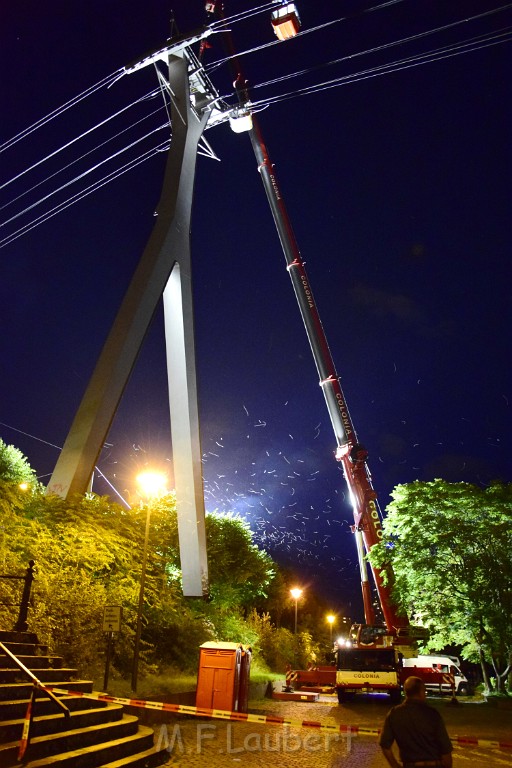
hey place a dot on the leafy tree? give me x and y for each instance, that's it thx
(14, 467)
(449, 546)
(88, 554)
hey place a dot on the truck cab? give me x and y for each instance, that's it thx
(366, 670)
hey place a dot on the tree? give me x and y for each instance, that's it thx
(449, 548)
(14, 467)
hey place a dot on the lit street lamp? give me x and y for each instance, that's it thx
(331, 619)
(152, 485)
(296, 593)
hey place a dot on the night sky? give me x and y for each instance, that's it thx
(398, 188)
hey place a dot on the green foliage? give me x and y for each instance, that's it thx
(279, 647)
(449, 546)
(14, 467)
(88, 554)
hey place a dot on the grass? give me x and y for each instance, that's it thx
(171, 681)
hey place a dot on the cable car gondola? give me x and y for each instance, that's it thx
(285, 21)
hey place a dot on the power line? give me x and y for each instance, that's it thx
(81, 157)
(106, 82)
(83, 174)
(377, 48)
(59, 448)
(457, 48)
(77, 138)
(85, 193)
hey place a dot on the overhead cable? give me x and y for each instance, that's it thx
(84, 193)
(81, 136)
(81, 157)
(383, 69)
(375, 49)
(83, 174)
(56, 112)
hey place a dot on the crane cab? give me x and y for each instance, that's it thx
(285, 21)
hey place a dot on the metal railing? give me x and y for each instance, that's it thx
(37, 685)
(28, 577)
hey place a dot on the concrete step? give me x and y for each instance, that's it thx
(30, 661)
(77, 748)
(44, 674)
(24, 690)
(25, 649)
(42, 725)
(150, 758)
(16, 709)
(11, 636)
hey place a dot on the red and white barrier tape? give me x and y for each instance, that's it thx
(244, 717)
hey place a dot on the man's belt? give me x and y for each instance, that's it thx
(421, 763)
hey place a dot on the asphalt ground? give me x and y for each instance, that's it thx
(193, 741)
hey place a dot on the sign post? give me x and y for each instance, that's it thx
(112, 615)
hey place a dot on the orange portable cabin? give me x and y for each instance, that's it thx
(223, 677)
(285, 21)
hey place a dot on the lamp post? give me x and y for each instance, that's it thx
(152, 485)
(331, 619)
(296, 593)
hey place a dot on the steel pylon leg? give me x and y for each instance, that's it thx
(168, 246)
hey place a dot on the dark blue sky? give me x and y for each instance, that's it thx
(398, 188)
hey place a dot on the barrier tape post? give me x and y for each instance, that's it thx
(291, 676)
(27, 722)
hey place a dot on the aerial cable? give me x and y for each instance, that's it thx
(242, 15)
(83, 175)
(150, 153)
(383, 69)
(59, 448)
(78, 159)
(162, 92)
(216, 64)
(428, 57)
(490, 39)
(375, 49)
(56, 112)
(81, 136)
(363, 75)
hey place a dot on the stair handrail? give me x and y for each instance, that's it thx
(28, 577)
(37, 685)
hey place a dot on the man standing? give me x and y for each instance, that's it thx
(418, 729)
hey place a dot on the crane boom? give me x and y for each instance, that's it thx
(351, 454)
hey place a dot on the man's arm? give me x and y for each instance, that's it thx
(388, 754)
(446, 760)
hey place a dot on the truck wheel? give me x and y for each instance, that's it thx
(462, 690)
(341, 695)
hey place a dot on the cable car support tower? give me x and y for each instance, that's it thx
(164, 271)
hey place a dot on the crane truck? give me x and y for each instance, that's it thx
(372, 660)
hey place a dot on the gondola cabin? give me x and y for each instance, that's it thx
(285, 21)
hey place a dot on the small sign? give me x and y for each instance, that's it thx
(112, 615)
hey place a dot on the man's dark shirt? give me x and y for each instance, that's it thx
(419, 731)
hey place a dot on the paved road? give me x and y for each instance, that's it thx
(219, 744)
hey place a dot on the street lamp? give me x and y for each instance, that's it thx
(296, 593)
(152, 485)
(331, 619)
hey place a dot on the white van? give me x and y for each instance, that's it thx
(444, 665)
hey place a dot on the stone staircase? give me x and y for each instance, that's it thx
(94, 735)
